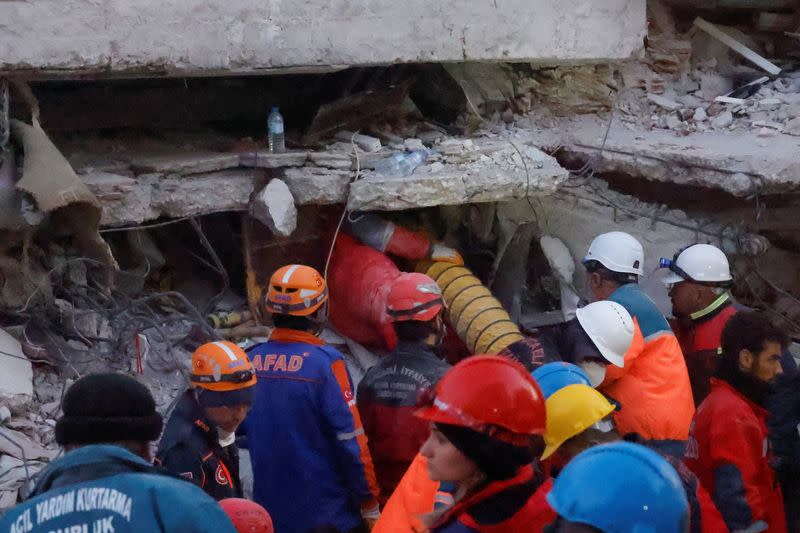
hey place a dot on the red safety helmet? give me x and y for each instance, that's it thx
(247, 516)
(297, 290)
(414, 296)
(490, 394)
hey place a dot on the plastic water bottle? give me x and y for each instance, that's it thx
(275, 131)
(401, 164)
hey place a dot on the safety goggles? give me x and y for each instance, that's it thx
(672, 265)
(240, 376)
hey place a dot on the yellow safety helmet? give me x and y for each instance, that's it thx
(571, 411)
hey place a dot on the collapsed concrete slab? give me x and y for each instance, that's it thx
(501, 176)
(219, 37)
(740, 163)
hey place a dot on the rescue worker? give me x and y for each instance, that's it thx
(487, 416)
(417, 495)
(632, 488)
(247, 516)
(199, 441)
(311, 462)
(701, 306)
(361, 275)
(387, 395)
(729, 447)
(600, 334)
(105, 481)
(784, 421)
(698, 278)
(578, 417)
(652, 387)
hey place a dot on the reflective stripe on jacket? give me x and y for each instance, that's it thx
(311, 464)
(653, 388)
(700, 338)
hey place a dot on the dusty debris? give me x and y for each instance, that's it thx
(266, 159)
(365, 142)
(661, 101)
(183, 163)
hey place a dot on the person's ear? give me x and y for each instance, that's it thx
(746, 360)
(594, 280)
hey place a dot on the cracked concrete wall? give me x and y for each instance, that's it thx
(244, 35)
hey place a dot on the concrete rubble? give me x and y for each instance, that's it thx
(681, 142)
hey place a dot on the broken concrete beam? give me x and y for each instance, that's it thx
(17, 374)
(736, 46)
(365, 142)
(267, 159)
(125, 200)
(228, 190)
(338, 160)
(735, 162)
(274, 206)
(314, 185)
(456, 184)
(183, 163)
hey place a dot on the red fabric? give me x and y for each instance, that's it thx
(730, 429)
(533, 516)
(293, 335)
(359, 280)
(391, 455)
(408, 244)
(700, 342)
(710, 518)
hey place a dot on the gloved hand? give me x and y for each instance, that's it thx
(371, 516)
(445, 254)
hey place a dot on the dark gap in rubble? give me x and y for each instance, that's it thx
(237, 105)
(172, 257)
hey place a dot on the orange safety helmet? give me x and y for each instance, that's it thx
(414, 296)
(247, 516)
(297, 290)
(221, 366)
(490, 394)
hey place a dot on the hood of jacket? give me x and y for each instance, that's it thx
(88, 463)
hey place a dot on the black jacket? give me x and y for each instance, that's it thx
(190, 448)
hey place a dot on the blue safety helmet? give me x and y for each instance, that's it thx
(621, 488)
(553, 377)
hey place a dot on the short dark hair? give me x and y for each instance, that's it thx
(414, 330)
(620, 278)
(748, 331)
(291, 322)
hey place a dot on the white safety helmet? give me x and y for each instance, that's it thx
(699, 263)
(610, 327)
(618, 252)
